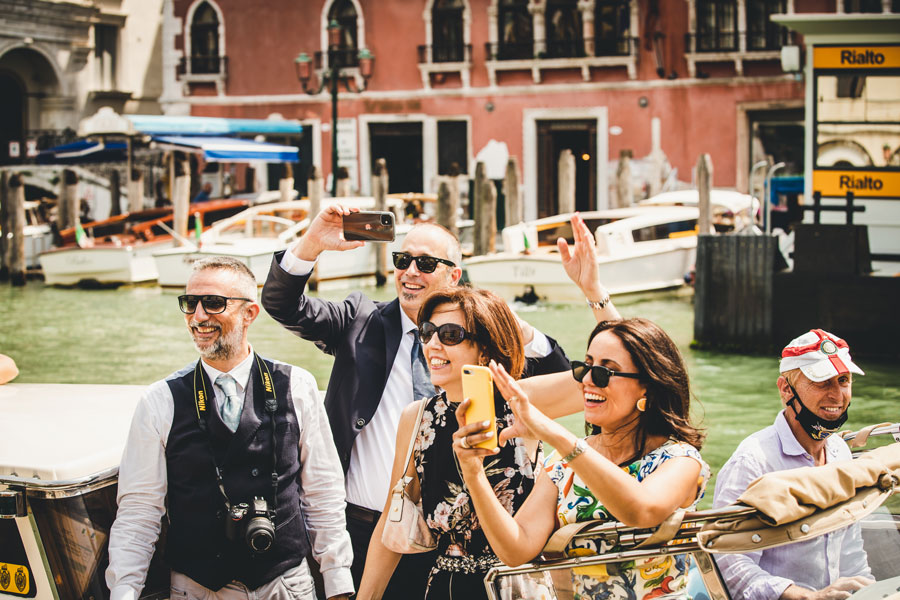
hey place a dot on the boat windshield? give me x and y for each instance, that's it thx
(549, 233)
(664, 231)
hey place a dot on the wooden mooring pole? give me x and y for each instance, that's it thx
(314, 190)
(515, 209)
(16, 220)
(485, 212)
(4, 225)
(380, 190)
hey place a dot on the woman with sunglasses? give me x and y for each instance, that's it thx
(457, 326)
(640, 463)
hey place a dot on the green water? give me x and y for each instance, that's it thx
(137, 335)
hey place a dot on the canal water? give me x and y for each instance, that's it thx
(136, 335)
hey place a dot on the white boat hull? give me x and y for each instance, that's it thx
(511, 275)
(106, 265)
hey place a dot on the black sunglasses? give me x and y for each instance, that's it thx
(450, 334)
(599, 374)
(424, 263)
(212, 303)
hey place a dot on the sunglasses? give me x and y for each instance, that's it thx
(212, 303)
(424, 263)
(599, 374)
(449, 334)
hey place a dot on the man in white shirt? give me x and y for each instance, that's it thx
(815, 387)
(377, 356)
(236, 451)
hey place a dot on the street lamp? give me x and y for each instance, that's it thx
(330, 77)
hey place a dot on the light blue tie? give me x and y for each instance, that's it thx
(231, 408)
(421, 376)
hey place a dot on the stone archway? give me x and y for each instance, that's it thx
(36, 107)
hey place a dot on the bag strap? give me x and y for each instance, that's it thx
(862, 436)
(666, 530)
(412, 444)
(562, 537)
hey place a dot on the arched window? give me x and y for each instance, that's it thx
(564, 31)
(612, 28)
(716, 25)
(447, 31)
(515, 35)
(205, 40)
(344, 13)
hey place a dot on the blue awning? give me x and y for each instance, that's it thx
(222, 149)
(82, 152)
(169, 125)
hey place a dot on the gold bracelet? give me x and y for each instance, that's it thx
(598, 304)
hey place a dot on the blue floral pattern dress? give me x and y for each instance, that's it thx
(662, 577)
(464, 555)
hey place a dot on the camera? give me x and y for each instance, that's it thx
(386, 220)
(253, 523)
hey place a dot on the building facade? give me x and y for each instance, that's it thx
(62, 60)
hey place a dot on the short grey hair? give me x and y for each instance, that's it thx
(454, 251)
(244, 277)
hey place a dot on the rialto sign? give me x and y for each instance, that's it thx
(863, 184)
(856, 57)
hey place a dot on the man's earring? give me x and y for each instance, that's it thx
(642, 404)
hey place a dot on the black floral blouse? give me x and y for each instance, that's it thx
(446, 504)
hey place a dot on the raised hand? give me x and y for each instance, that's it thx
(581, 261)
(326, 232)
(530, 422)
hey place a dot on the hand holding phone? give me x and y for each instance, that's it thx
(369, 226)
(478, 387)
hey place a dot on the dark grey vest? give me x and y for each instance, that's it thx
(196, 544)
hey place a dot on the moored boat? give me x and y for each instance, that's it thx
(120, 250)
(638, 249)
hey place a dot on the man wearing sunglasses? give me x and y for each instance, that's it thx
(376, 370)
(236, 452)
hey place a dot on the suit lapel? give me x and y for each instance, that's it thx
(393, 332)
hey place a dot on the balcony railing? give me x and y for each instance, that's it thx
(623, 46)
(730, 41)
(565, 48)
(445, 53)
(509, 51)
(202, 65)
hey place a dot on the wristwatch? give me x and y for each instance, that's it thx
(578, 450)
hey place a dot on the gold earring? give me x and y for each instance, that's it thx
(642, 404)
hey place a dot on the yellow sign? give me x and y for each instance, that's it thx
(14, 579)
(856, 57)
(863, 184)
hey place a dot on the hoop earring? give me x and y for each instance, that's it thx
(642, 404)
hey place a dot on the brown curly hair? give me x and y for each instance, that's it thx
(663, 373)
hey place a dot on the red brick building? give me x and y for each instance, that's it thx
(594, 76)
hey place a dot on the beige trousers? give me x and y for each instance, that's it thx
(294, 584)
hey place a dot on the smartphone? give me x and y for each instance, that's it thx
(369, 226)
(478, 387)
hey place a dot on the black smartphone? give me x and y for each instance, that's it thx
(369, 226)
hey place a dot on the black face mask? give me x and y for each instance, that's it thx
(815, 427)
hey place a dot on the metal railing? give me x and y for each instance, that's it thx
(620, 46)
(730, 41)
(202, 65)
(509, 51)
(445, 53)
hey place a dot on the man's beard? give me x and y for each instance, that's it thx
(224, 347)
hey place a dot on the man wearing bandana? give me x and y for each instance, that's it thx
(815, 387)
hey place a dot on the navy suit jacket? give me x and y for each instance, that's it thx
(363, 336)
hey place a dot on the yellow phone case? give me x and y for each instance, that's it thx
(478, 386)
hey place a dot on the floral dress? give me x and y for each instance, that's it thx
(464, 555)
(661, 577)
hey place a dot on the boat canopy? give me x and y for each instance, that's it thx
(212, 126)
(223, 149)
(83, 151)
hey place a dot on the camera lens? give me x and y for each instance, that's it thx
(385, 220)
(260, 534)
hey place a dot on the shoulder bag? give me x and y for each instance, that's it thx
(405, 530)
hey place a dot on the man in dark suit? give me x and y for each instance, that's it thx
(376, 348)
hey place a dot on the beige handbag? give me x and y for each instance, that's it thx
(405, 530)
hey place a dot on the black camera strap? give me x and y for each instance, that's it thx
(202, 397)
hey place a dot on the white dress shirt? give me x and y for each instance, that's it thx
(143, 484)
(372, 456)
(814, 564)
